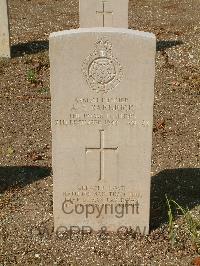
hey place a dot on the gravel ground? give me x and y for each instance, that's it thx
(26, 225)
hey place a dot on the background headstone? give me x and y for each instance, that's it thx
(102, 110)
(4, 30)
(99, 13)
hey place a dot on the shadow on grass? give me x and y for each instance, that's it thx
(29, 48)
(181, 185)
(35, 47)
(20, 176)
(163, 45)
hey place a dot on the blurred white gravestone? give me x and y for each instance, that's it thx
(100, 13)
(4, 30)
(102, 115)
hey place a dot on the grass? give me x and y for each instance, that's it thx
(43, 90)
(31, 76)
(192, 224)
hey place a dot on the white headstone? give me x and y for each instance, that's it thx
(4, 30)
(100, 13)
(102, 89)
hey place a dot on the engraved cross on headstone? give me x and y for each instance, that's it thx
(104, 12)
(101, 149)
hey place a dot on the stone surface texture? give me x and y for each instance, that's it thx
(102, 90)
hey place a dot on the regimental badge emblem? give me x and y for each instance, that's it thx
(101, 69)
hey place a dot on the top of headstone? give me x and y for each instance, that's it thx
(141, 34)
(103, 13)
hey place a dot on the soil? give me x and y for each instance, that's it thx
(26, 224)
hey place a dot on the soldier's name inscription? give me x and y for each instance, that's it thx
(101, 111)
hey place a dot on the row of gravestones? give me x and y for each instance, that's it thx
(102, 89)
(93, 13)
